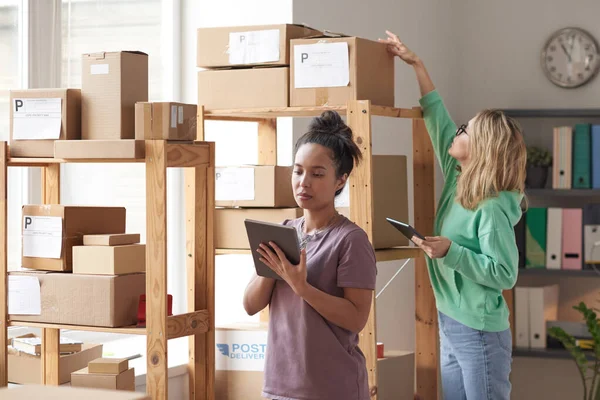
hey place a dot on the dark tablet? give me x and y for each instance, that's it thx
(405, 229)
(283, 236)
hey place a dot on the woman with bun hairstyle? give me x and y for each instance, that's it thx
(320, 306)
(473, 256)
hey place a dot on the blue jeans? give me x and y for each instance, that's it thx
(475, 365)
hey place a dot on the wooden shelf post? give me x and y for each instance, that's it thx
(361, 213)
(426, 348)
(156, 269)
(267, 141)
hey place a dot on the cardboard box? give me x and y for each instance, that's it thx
(111, 240)
(243, 88)
(70, 120)
(92, 300)
(109, 260)
(108, 366)
(111, 84)
(230, 230)
(396, 376)
(254, 186)
(239, 361)
(165, 121)
(390, 200)
(100, 149)
(370, 72)
(26, 369)
(67, 393)
(123, 381)
(51, 231)
(248, 45)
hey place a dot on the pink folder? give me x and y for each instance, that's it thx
(572, 238)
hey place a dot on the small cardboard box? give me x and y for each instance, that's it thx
(109, 260)
(70, 120)
(108, 366)
(111, 240)
(92, 300)
(243, 88)
(67, 393)
(111, 84)
(51, 231)
(240, 361)
(165, 121)
(396, 375)
(248, 45)
(122, 381)
(254, 186)
(231, 231)
(390, 200)
(100, 149)
(316, 77)
(25, 368)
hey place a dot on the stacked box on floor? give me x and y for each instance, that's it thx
(247, 67)
(105, 373)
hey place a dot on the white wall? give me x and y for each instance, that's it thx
(426, 27)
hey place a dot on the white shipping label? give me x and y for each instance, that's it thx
(99, 69)
(36, 119)
(321, 65)
(180, 115)
(234, 184)
(254, 47)
(240, 350)
(42, 236)
(173, 116)
(24, 295)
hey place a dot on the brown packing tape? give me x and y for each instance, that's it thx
(321, 96)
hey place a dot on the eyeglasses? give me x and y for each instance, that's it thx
(462, 129)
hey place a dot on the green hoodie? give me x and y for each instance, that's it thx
(483, 258)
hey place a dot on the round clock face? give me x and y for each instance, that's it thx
(571, 57)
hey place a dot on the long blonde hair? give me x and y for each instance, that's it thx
(497, 159)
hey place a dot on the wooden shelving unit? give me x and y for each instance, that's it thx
(359, 115)
(198, 159)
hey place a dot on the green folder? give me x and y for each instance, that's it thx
(535, 238)
(582, 160)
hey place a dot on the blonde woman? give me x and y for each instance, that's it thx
(473, 256)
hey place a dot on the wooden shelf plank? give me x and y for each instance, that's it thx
(553, 113)
(41, 162)
(394, 253)
(266, 113)
(583, 273)
(548, 353)
(128, 330)
(563, 192)
(189, 324)
(398, 253)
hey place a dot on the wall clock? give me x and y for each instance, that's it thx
(570, 57)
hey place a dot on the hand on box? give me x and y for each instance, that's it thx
(397, 48)
(294, 275)
(434, 246)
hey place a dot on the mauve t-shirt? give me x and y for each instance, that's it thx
(309, 357)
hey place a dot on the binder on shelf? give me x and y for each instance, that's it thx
(554, 238)
(595, 135)
(520, 240)
(561, 169)
(591, 214)
(591, 242)
(543, 306)
(571, 238)
(582, 143)
(521, 316)
(535, 238)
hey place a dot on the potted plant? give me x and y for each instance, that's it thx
(538, 162)
(589, 370)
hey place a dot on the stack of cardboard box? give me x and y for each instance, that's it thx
(105, 373)
(110, 113)
(72, 284)
(248, 67)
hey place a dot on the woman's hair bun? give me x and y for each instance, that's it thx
(330, 122)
